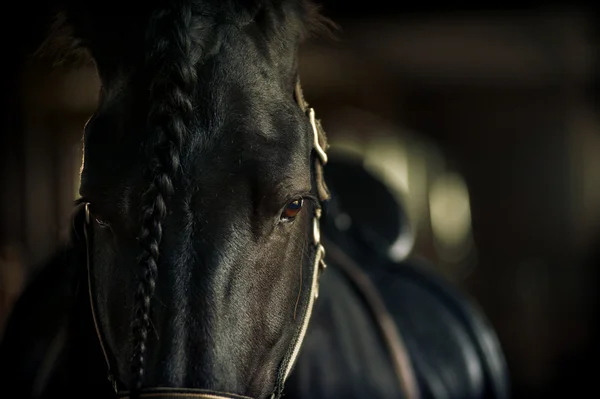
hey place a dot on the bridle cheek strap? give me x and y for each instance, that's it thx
(88, 231)
(319, 148)
(320, 144)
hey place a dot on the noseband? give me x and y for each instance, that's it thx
(319, 146)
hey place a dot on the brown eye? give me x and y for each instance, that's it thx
(292, 209)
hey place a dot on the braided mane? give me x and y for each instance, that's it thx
(173, 78)
(170, 70)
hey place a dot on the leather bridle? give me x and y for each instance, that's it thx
(320, 159)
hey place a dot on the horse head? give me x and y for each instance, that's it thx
(203, 189)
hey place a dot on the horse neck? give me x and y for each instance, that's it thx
(84, 360)
(80, 365)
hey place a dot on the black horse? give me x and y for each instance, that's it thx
(195, 259)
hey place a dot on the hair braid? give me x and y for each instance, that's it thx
(172, 78)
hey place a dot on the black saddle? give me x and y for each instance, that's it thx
(452, 347)
(363, 207)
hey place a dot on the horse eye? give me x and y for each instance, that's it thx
(292, 209)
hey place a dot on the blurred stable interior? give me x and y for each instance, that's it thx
(484, 123)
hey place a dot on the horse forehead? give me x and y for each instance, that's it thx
(245, 152)
(256, 154)
(245, 123)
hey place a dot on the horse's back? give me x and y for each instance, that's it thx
(452, 346)
(451, 349)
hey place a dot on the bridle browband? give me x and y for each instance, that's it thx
(318, 266)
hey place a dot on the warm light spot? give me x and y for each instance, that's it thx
(348, 145)
(388, 158)
(450, 213)
(77, 167)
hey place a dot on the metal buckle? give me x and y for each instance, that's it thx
(320, 263)
(87, 213)
(113, 381)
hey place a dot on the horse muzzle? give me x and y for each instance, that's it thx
(182, 393)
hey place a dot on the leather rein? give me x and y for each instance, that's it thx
(319, 147)
(394, 343)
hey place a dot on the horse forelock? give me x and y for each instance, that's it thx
(63, 47)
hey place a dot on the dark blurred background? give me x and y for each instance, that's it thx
(483, 120)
